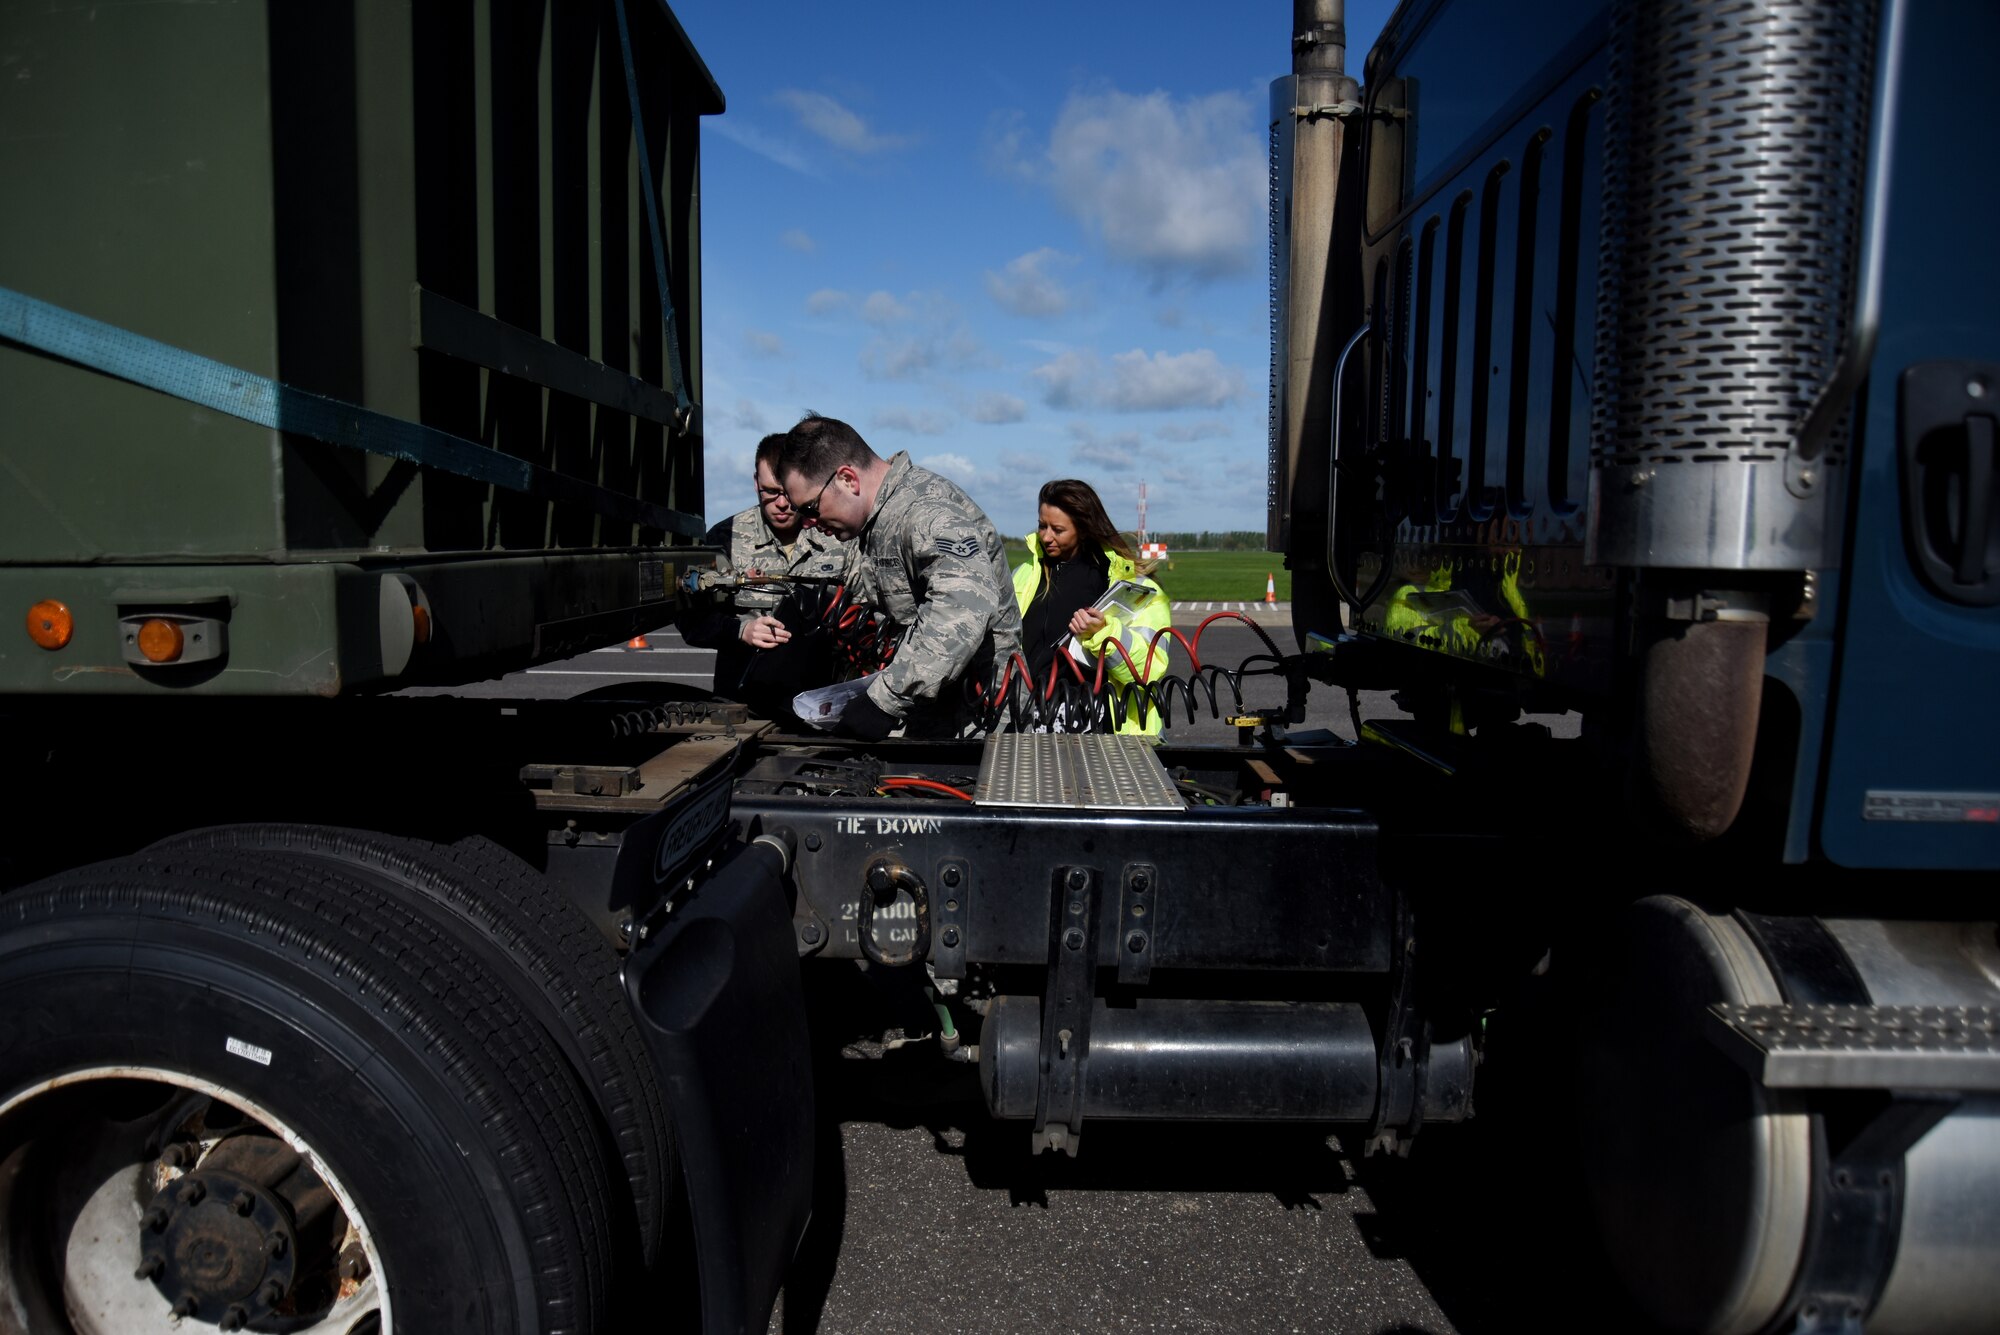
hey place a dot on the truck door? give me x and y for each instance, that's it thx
(1913, 774)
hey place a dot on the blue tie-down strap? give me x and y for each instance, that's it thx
(124, 355)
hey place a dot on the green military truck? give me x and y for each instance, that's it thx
(348, 348)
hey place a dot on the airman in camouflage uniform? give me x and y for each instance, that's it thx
(931, 563)
(765, 540)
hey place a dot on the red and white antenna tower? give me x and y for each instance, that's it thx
(1142, 512)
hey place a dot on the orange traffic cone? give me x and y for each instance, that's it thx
(1270, 587)
(636, 642)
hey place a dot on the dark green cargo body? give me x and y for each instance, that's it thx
(433, 211)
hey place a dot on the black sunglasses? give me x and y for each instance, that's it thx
(810, 510)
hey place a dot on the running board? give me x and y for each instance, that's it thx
(1914, 1048)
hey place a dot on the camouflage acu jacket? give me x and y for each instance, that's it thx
(748, 544)
(933, 564)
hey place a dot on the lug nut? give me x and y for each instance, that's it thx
(155, 1219)
(176, 1155)
(272, 1293)
(236, 1318)
(244, 1203)
(192, 1190)
(151, 1264)
(274, 1246)
(354, 1264)
(187, 1306)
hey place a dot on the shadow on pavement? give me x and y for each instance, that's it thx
(1486, 1214)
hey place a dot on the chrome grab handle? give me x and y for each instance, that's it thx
(1333, 472)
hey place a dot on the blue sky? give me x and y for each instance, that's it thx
(1020, 242)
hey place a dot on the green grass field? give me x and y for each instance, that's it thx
(1208, 576)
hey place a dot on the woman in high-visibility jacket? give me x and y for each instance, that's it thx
(1074, 556)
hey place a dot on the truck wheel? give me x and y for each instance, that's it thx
(238, 1090)
(525, 929)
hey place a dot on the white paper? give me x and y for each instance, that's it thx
(1123, 601)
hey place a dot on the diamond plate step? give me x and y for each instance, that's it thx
(1862, 1047)
(1093, 771)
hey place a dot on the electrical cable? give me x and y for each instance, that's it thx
(1099, 704)
(927, 785)
(1081, 700)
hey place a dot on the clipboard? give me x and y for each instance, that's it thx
(1123, 600)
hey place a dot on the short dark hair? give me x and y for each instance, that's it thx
(769, 451)
(819, 445)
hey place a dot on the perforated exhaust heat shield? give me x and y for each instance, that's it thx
(1735, 163)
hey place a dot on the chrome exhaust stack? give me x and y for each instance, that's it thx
(1733, 329)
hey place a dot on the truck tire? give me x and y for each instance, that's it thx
(530, 933)
(298, 1010)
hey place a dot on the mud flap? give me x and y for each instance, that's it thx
(716, 989)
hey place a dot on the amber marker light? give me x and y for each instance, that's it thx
(50, 624)
(422, 616)
(161, 641)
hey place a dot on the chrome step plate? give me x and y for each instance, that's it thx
(1863, 1047)
(1093, 771)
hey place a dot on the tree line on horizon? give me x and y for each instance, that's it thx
(1235, 540)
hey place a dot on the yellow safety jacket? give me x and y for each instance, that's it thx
(1137, 637)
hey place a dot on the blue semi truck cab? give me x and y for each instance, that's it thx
(1637, 359)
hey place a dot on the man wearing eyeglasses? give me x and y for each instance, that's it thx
(757, 658)
(930, 561)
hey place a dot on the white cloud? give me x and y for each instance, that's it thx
(1173, 185)
(763, 343)
(962, 349)
(883, 308)
(824, 116)
(1034, 465)
(1117, 452)
(921, 421)
(1183, 432)
(797, 238)
(726, 472)
(921, 332)
(746, 416)
(1104, 456)
(1138, 381)
(828, 300)
(1028, 287)
(998, 409)
(783, 152)
(897, 358)
(1006, 147)
(954, 466)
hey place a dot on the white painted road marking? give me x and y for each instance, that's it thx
(577, 672)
